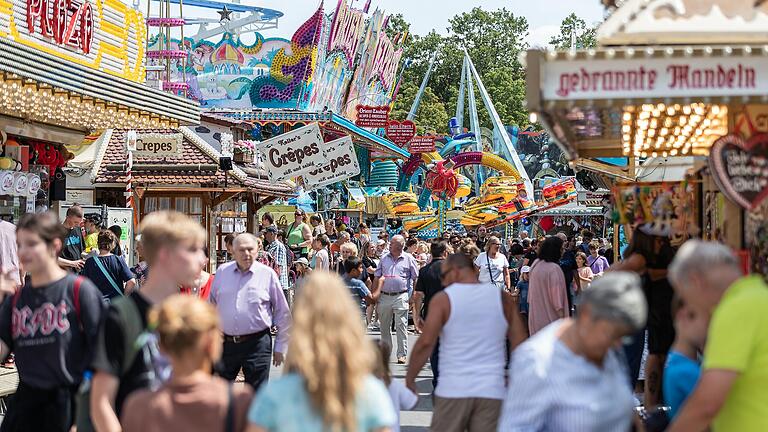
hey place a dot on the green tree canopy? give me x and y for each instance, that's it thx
(574, 29)
(494, 40)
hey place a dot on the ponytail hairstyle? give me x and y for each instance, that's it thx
(180, 321)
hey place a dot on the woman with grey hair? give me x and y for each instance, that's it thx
(570, 376)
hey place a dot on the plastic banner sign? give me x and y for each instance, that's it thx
(422, 144)
(293, 153)
(400, 132)
(372, 116)
(741, 168)
(342, 164)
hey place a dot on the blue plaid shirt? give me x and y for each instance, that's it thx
(277, 250)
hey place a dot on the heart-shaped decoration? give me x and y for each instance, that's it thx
(741, 168)
(400, 132)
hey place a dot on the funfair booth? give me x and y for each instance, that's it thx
(670, 80)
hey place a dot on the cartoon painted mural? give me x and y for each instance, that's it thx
(375, 77)
(331, 63)
(341, 41)
(219, 73)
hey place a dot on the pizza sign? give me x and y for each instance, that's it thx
(67, 22)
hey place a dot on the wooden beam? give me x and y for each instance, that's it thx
(218, 199)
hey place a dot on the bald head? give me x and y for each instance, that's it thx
(244, 238)
(396, 245)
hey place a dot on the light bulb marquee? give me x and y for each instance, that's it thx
(652, 130)
(33, 101)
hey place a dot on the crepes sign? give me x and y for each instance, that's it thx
(342, 164)
(293, 153)
(158, 145)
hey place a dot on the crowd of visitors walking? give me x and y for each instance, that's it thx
(521, 334)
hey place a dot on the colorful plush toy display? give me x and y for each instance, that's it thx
(47, 154)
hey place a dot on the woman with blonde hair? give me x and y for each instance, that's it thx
(190, 336)
(493, 265)
(328, 384)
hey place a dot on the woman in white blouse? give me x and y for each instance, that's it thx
(569, 377)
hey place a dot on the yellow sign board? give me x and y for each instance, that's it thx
(106, 35)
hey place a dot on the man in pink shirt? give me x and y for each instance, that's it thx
(250, 300)
(547, 295)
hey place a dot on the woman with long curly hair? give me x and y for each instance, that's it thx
(328, 384)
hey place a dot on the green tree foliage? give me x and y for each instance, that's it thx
(573, 25)
(395, 25)
(494, 40)
(431, 117)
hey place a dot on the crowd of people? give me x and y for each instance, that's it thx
(520, 333)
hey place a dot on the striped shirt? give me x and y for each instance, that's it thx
(553, 389)
(277, 250)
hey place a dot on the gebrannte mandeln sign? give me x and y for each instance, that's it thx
(342, 163)
(682, 77)
(293, 153)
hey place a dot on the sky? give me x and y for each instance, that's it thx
(544, 16)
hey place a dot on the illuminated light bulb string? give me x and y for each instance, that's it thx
(653, 130)
(55, 106)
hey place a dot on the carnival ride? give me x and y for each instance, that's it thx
(503, 190)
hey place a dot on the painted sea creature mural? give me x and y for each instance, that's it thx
(217, 72)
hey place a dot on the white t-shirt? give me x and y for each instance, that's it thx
(402, 399)
(498, 265)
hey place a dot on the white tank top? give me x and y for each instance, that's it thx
(472, 344)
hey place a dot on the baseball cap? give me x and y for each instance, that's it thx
(525, 269)
(302, 261)
(381, 242)
(271, 229)
(93, 218)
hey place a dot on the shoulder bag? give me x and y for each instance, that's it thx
(499, 285)
(106, 274)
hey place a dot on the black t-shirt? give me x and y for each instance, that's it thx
(110, 352)
(368, 263)
(53, 344)
(429, 282)
(481, 243)
(74, 245)
(115, 267)
(531, 256)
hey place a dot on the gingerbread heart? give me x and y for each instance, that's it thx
(400, 132)
(741, 168)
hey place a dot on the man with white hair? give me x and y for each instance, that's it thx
(250, 300)
(394, 278)
(730, 395)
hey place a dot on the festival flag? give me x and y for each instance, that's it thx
(367, 6)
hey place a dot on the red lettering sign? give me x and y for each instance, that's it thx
(372, 116)
(66, 22)
(400, 132)
(422, 144)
